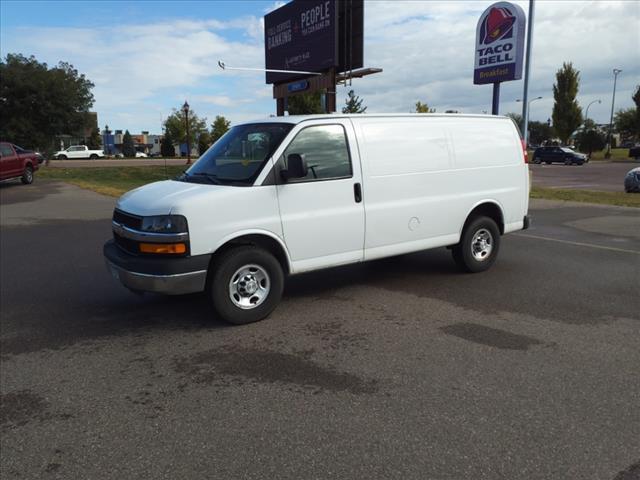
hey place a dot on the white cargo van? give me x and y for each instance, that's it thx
(293, 194)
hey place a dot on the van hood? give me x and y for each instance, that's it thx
(163, 198)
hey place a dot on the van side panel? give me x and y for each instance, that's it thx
(490, 165)
(422, 177)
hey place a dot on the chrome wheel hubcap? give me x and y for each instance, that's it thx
(482, 245)
(249, 286)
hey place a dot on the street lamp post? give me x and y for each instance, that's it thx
(526, 120)
(106, 140)
(586, 115)
(185, 109)
(616, 71)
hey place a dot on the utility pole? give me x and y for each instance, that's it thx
(527, 67)
(616, 71)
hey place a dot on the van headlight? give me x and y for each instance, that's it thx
(165, 224)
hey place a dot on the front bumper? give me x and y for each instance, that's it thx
(170, 276)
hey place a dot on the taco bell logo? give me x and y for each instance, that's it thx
(498, 24)
(499, 44)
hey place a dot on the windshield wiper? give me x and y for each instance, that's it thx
(209, 176)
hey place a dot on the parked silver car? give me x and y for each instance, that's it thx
(632, 181)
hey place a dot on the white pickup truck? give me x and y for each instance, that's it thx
(78, 151)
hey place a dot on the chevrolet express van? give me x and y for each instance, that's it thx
(287, 195)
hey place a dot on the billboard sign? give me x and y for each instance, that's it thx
(301, 35)
(499, 44)
(307, 35)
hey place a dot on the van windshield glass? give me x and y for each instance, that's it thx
(238, 156)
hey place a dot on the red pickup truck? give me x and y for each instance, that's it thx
(16, 162)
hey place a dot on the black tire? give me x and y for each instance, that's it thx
(547, 162)
(93, 156)
(537, 160)
(230, 264)
(463, 253)
(62, 157)
(27, 176)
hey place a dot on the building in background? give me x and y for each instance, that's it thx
(145, 142)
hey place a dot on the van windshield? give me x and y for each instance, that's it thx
(238, 156)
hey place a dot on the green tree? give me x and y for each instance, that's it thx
(218, 128)
(167, 148)
(626, 123)
(353, 104)
(95, 140)
(37, 102)
(590, 140)
(204, 142)
(305, 104)
(128, 148)
(517, 118)
(567, 114)
(424, 108)
(175, 125)
(539, 132)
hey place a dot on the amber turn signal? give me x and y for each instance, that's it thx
(176, 248)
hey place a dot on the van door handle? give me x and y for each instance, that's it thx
(357, 192)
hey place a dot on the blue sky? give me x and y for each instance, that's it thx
(147, 57)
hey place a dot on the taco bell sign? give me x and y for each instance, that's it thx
(499, 44)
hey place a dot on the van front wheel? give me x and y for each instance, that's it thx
(479, 245)
(245, 285)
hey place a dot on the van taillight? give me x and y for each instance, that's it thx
(524, 151)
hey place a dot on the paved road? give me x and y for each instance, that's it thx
(601, 176)
(401, 368)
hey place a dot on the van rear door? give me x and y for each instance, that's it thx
(322, 214)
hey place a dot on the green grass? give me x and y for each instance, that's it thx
(112, 181)
(115, 181)
(617, 154)
(588, 196)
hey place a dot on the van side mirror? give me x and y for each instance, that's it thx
(296, 167)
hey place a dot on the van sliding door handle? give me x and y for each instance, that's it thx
(357, 192)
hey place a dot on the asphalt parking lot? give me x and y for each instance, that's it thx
(401, 368)
(600, 176)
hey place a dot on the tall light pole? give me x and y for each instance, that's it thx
(185, 109)
(616, 71)
(526, 119)
(527, 69)
(586, 115)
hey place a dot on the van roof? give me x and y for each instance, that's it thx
(295, 119)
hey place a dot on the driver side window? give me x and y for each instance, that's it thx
(325, 151)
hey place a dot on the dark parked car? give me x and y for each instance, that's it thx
(634, 152)
(16, 162)
(564, 155)
(632, 181)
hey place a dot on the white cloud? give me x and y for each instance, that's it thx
(426, 51)
(424, 47)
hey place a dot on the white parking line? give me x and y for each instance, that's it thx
(579, 244)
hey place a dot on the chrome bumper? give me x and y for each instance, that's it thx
(178, 284)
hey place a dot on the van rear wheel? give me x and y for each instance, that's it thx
(245, 285)
(479, 245)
